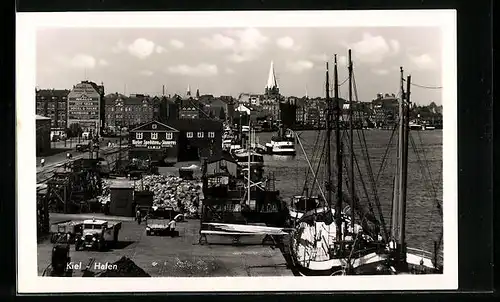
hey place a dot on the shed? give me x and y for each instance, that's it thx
(221, 163)
(122, 198)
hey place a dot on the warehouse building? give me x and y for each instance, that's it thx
(86, 106)
(154, 141)
(198, 138)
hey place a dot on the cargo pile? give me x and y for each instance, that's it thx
(169, 192)
(105, 196)
(125, 268)
(175, 192)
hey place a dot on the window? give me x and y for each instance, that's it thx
(138, 135)
(200, 134)
(169, 135)
(211, 134)
(154, 135)
(189, 134)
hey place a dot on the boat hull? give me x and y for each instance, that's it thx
(284, 152)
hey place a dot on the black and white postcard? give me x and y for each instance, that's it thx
(288, 151)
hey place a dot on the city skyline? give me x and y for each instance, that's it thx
(143, 60)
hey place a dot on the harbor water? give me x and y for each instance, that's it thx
(425, 178)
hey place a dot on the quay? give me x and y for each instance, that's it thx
(180, 256)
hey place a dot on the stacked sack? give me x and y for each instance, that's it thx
(174, 192)
(105, 196)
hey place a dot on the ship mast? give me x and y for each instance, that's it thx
(249, 144)
(338, 159)
(328, 141)
(351, 142)
(404, 176)
(401, 178)
(397, 176)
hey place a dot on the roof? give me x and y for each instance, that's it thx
(121, 184)
(136, 100)
(196, 125)
(42, 118)
(53, 92)
(154, 126)
(271, 80)
(94, 221)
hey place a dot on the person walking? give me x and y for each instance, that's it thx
(138, 215)
(42, 162)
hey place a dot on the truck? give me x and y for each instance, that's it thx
(82, 147)
(67, 228)
(161, 226)
(98, 235)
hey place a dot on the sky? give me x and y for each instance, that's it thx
(229, 61)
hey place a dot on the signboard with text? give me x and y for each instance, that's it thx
(153, 144)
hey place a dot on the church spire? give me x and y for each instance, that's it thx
(271, 80)
(188, 92)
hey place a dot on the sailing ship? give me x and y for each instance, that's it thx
(351, 240)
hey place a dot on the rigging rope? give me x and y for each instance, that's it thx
(414, 147)
(343, 82)
(424, 86)
(384, 162)
(364, 148)
(356, 200)
(309, 163)
(430, 174)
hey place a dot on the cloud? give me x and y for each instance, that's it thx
(380, 71)
(299, 66)
(373, 49)
(243, 45)
(342, 61)
(287, 43)
(103, 62)
(395, 46)
(201, 70)
(218, 42)
(160, 49)
(229, 70)
(119, 47)
(241, 57)
(141, 48)
(177, 44)
(320, 57)
(146, 73)
(423, 61)
(83, 61)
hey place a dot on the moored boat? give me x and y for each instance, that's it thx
(354, 241)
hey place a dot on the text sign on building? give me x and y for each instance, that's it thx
(83, 104)
(152, 144)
